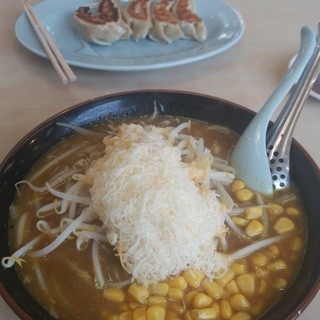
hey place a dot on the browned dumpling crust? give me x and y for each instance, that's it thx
(191, 24)
(137, 15)
(104, 26)
(165, 26)
(160, 20)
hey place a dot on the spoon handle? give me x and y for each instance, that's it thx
(292, 76)
(280, 136)
(249, 156)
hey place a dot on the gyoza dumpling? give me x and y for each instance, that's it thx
(104, 26)
(191, 24)
(137, 15)
(165, 26)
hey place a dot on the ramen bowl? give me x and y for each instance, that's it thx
(25, 154)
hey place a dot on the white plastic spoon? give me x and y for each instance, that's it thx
(249, 157)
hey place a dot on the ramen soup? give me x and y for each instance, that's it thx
(147, 220)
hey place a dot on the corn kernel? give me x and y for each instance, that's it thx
(292, 211)
(246, 283)
(274, 250)
(216, 306)
(275, 209)
(175, 294)
(188, 316)
(204, 314)
(113, 294)
(125, 315)
(133, 305)
(189, 296)
(253, 213)
(212, 288)
(244, 195)
(280, 283)
(160, 288)
(232, 287)
(237, 185)
(238, 268)
(177, 307)
(239, 302)
(157, 301)
(225, 294)
(297, 244)
(105, 314)
(124, 306)
(178, 282)
(263, 287)
(277, 265)
(259, 259)
(139, 293)
(253, 229)
(225, 310)
(241, 222)
(156, 313)
(170, 315)
(262, 273)
(241, 316)
(258, 307)
(283, 225)
(201, 300)
(193, 277)
(139, 313)
(229, 275)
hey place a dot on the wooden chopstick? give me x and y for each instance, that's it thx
(54, 54)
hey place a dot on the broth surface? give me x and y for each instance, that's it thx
(69, 289)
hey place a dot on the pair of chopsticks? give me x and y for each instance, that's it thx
(54, 54)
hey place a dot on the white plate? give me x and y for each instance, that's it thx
(225, 28)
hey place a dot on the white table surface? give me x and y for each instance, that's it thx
(30, 91)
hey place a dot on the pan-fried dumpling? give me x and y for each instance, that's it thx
(165, 26)
(137, 15)
(104, 26)
(191, 24)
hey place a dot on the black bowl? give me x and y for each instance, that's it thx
(24, 155)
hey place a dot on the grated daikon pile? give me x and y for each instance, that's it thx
(159, 216)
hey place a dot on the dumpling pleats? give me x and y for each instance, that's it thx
(165, 26)
(137, 16)
(191, 24)
(103, 27)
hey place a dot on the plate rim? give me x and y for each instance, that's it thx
(22, 22)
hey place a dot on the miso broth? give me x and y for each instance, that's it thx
(64, 281)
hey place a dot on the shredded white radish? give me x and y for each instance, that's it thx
(150, 198)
